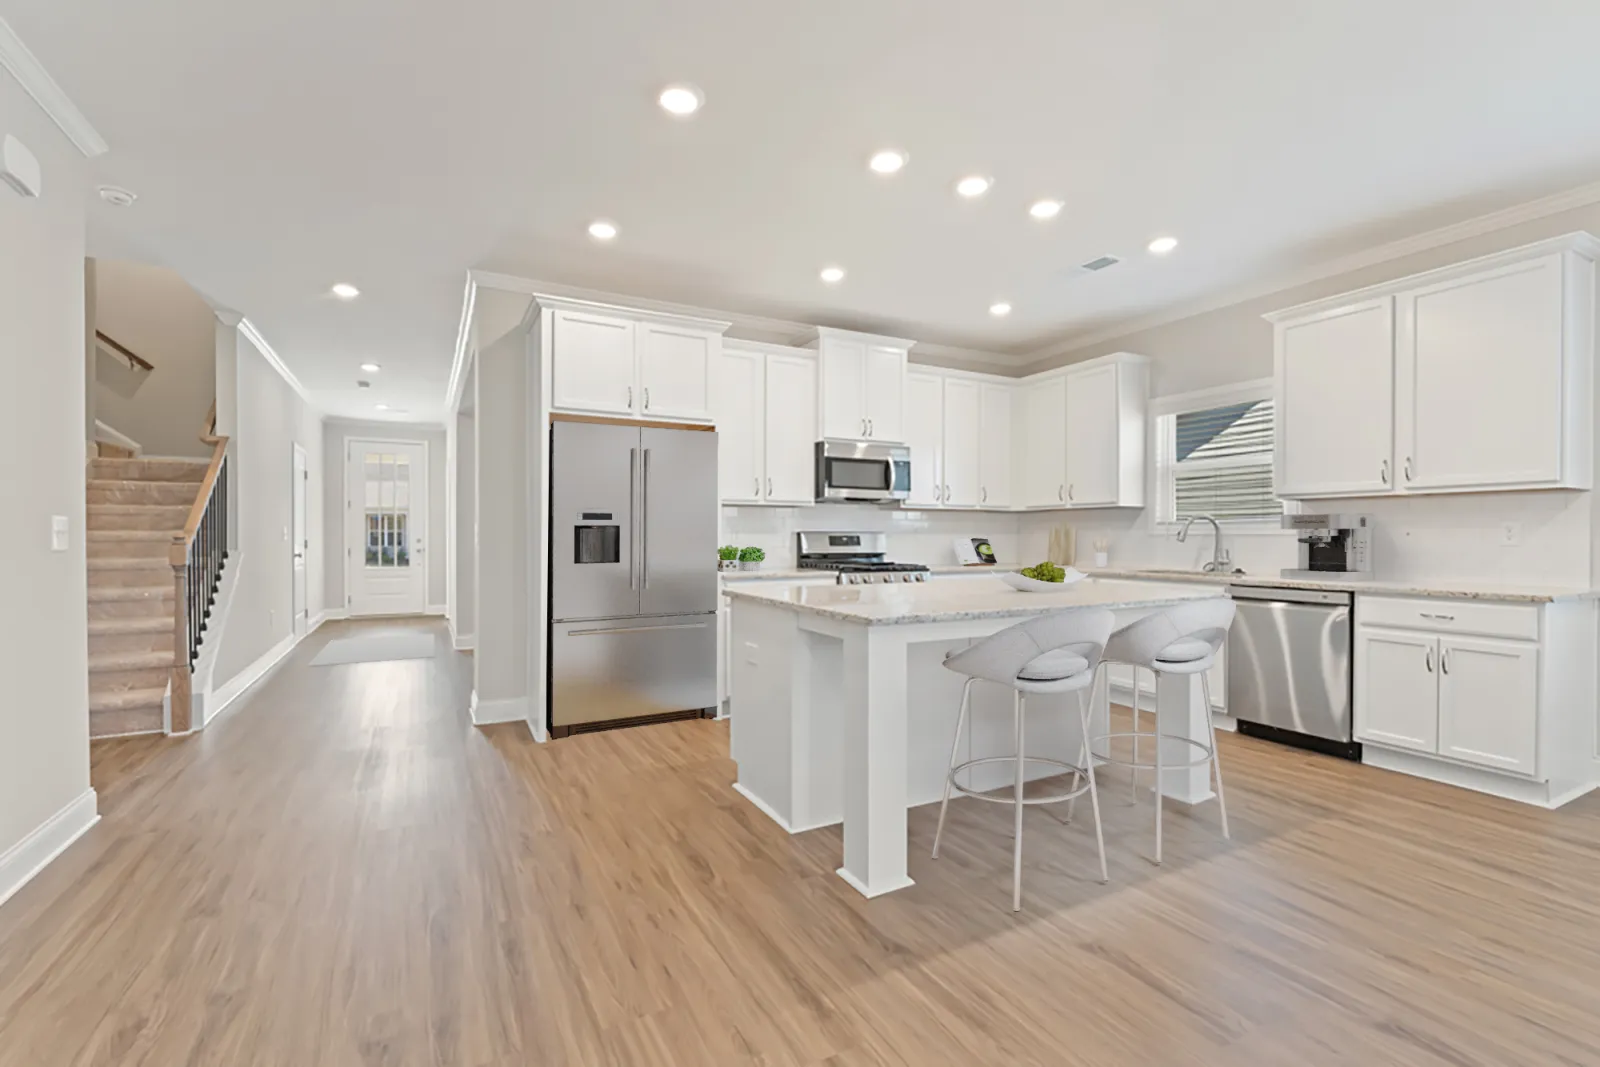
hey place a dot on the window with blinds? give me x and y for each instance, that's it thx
(1219, 462)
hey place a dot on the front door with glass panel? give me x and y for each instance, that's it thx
(386, 511)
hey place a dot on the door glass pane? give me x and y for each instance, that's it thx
(388, 505)
(372, 539)
(402, 551)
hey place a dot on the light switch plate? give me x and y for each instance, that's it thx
(59, 539)
(1511, 534)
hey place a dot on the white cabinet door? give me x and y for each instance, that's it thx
(1479, 395)
(675, 372)
(963, 443)
(592, 364)
(994, 446)
(1397, 690)
(1488, 702)
(1093, 455)
(885, 379)
(1042, 459)
(1335, 393)
(741, 419)
(843, 366)
(924, 395)
(791, 403)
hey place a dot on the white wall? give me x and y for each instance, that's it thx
(44, 716)
(464, 529)
(152, 311)
(914, 536)
(505, 600)
(1454, 536)
(336, 432)
(270, 418)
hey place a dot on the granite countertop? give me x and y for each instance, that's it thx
(1452, 589)
(789, 574)
(924, 602)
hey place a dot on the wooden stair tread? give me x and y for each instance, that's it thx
(122, 699)
(131, 535)
(130, 661)
(123, 593)
(148, 624)
(136, 509)
(119, 563)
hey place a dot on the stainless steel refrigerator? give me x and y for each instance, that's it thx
(633, 575)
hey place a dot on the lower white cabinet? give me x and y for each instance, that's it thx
(766, 399)
(1488, 701)
(1397, 689)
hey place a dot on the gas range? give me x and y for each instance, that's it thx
(857, 558)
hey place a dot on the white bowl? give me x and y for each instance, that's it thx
(1032, 585)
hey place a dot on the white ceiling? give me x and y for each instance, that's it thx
(280, 147)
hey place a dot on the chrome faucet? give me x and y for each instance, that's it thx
(1219, 555)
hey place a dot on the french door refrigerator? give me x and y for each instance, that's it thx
(633, 575)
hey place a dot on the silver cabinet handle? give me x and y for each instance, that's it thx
(758, 487)
(869, 427)
(863, 427)
(1427, 660)
(769, 486)
(983, 495)
(1069, 490)
(644, 523)
(1437, 615)
(1408, 468)
(1384, 473)
(630, 397)
(1061, 493)
(647, 398)
(1444, 661)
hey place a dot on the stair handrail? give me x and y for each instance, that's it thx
(123, 350)
(196, 556)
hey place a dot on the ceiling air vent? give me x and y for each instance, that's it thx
(1100, 264)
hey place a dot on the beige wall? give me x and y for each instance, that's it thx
(152, 311)
(270, 419)
(435, 539)
(44, 714)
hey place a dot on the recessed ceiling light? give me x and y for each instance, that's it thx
(116, 195)
(601, 230)
(681, 100)
(1000, 310)
(371, 368)
(1162, 245)
(973, 186)
(346, 291)
(832, 275)
(1045, 209)
(381, 407)
(889, 161)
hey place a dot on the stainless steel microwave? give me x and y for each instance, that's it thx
(869, 473)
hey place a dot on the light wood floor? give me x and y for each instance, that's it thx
(345, 872)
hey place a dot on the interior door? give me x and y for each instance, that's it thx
(1397, 689)
(962, 445)
(791, 430)
(1488, 702)
(925, 438)
(387, 509)
(675, 372)
(677, 522)
(300, 544)
(741, 420)
(1093, 454)
(595, 474)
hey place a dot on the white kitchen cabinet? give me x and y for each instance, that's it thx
(925, 437)
(1396, 697)
(1488, 699)
(675, 365)
(1041, 445)
(592, 362)
(790, 437)
(766, 405)
(1106, 434)
(741, 383)
(862, 392)
(995, 449)
(606, 360)
(962, 443)
(1473, 377)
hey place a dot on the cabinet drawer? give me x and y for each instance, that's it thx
(1516, 621)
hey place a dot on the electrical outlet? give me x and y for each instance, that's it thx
(1511, 534)
(59, 539)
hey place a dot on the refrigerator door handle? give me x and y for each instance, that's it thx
(644, 523)
(633, 494)
(637, 629)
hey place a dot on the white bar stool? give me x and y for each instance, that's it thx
(1178, 640)
(1057, 653)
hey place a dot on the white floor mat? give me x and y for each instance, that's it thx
(375, 648)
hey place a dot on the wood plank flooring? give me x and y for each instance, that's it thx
(344, 872)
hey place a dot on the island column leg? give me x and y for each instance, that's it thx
(874, 742)
(1181, 711)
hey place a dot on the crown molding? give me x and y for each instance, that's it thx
(1554, 204)
(36, 81)
(253, 335)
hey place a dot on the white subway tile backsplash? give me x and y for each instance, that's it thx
(914, 536)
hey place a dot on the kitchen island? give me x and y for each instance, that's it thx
(842, 712)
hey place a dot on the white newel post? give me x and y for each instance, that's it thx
(875, 759)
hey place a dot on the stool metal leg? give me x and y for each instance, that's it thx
(1158, 777)
(1016, 856)
(1094, 794)
(955, 750)
(1216, 762)
(1133, 772)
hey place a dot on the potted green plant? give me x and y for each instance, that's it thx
(728, 558)
(750, 558)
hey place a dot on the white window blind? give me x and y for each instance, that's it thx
(1218, 461)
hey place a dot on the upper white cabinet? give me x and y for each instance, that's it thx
(1080, 435)
(1475, 377)
(924, 395)
(765, 405)
(945, 432)
(862, 394)
(963, 443)
(1041, 444)
(996, 403)
(614, 361)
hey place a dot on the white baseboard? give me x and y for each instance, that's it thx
(336, 613)
(485, 712)
(230, 691)
(465, 642)
(33, 853)
(1478, 780)
(315, 621)
(435, 609)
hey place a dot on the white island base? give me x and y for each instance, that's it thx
(842, 711)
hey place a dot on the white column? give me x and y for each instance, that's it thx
(874, 738)
(1181, 711)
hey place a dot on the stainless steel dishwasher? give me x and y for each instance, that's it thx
(1289, 668)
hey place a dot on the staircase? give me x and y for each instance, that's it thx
(135, 508)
